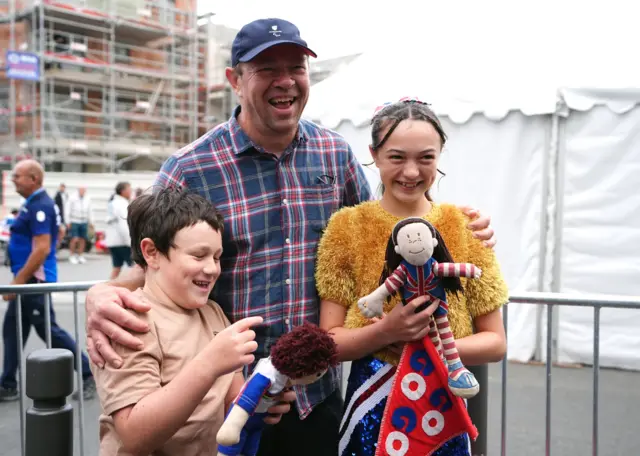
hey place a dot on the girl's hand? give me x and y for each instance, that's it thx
(403, 324)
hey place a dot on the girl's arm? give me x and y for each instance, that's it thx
(401, 324)
(488, 344)
(352, 343)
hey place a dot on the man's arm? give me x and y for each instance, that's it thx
(106, 303)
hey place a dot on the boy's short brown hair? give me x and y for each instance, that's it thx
(161, 214)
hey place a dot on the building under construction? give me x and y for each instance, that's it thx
(104, 85)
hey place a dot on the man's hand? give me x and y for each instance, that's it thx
(107, 316)
(481, 226)
(11, 297)
(283, 406)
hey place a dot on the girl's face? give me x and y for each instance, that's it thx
(408, 163)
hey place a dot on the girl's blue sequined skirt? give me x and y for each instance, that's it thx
(362, 440)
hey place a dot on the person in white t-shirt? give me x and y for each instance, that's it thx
(79, 217)
(117, 236)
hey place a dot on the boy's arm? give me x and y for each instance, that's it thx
(149, 423)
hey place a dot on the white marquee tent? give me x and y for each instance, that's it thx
(545, 137)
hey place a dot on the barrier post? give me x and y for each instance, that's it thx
(49, 423)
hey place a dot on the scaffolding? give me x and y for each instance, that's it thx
(122, 83)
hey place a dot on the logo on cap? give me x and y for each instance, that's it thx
(274, 31)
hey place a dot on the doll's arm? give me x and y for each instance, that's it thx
(468, 270)
(371, 305)
(234, 390)
(243, 407)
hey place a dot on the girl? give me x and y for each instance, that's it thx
(407, 140)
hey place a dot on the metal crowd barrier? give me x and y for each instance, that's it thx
(561, 299)
(50, 401)
(23, 386)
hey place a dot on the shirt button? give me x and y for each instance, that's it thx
(285, 202)
(286, 321)
(288, 281)
(287, 240)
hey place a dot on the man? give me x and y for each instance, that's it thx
(32, 255)
(61, 200)
(276, 179)
(79, 218)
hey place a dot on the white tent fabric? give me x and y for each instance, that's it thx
(562, 199)
(600, 237)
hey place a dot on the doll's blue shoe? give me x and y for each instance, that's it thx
(462, 383)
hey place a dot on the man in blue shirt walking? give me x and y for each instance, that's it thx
(32, 254)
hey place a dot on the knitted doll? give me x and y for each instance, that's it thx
(418, 261)
(300, 357)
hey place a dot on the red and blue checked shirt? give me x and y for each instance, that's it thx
(274, 212)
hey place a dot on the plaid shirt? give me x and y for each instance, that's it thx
(274, 212)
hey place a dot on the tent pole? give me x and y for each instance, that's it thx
(551, 229)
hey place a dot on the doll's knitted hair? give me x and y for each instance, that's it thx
(440, 254)
(306, 350)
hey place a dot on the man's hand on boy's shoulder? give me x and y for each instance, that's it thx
(283, 406)
(108, 320)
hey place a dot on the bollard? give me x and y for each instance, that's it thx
(479, 409)
(49, 424)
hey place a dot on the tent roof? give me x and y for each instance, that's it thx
(489, 70)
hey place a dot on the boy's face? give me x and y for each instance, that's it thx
(188, 274)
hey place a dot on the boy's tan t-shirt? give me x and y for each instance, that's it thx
(176, 336)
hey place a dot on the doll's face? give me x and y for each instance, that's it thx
(415, 243)
(308, 379)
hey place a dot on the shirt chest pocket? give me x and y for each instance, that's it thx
(315, 205)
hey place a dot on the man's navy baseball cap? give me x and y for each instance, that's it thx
(260, 35)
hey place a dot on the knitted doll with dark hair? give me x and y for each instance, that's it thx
(300, 357)
(418, 263)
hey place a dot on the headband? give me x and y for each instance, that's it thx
(401, 100)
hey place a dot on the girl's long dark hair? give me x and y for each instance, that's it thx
(440, 254)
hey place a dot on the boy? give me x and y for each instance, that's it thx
(170, 397)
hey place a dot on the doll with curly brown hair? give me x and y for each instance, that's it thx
(300, 357)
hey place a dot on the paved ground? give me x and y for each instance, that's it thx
(571, 411)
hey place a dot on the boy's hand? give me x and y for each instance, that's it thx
(232, 348)
(283, 406)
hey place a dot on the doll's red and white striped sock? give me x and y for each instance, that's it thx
(449, 346)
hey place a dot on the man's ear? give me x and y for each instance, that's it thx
(435, 243)
(233, 76)
(397, 249)
(149, 252)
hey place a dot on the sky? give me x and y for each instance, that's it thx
(339, 27)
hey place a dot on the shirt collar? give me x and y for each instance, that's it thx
(33, 195)
(240, 141)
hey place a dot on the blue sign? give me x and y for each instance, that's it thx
(23, 65)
